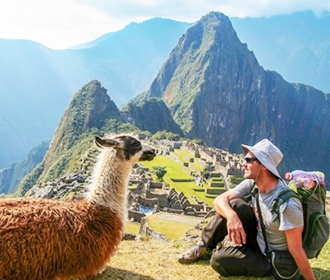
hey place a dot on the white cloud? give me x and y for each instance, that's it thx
(192, 10)
(64, 23)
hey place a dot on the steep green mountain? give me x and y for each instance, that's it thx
(151, 115)
(217, 91)
(88, 111)
(296, 46)
(37, 83)
(91, 112)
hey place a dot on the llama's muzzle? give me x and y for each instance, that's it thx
(148, 155)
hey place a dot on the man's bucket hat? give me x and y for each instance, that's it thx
(267, 153)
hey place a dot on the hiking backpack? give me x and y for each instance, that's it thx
(316, 224)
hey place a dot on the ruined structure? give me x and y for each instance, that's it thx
(159, 197)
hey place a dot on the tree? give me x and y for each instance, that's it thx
(160, 171)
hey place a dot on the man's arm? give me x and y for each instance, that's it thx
(223, 208)
(298, 253)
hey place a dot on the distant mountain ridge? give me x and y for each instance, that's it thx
(296, 46)
(156, 28)
(11, 176)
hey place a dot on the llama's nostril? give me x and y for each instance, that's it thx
(148, 155)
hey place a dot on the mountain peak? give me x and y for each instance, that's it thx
(209, 55)
(90, 105)
(89, 109)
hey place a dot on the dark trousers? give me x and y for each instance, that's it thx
(236, 260)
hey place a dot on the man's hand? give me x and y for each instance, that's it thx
(235, 230)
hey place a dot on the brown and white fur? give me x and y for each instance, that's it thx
(51, 239)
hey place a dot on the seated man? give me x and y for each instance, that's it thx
(239, 221)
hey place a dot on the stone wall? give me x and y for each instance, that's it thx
(155, 185)
(217, 191)
(162, 199)
(148, 202)
(148, 231)
(135, 216)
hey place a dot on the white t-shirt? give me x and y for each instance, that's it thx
(291, 215)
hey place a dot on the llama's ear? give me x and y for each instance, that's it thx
(101, 142)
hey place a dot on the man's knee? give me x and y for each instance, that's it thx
(219, 262)
(239, 260)
(239, 204)
(243, 209)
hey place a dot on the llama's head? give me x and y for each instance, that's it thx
(127, 145)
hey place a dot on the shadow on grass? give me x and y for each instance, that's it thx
(120, 274)
(321, 274)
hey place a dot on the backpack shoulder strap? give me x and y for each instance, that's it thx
(248, 197)
(282, 197)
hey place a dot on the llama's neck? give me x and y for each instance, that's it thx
(109, 181)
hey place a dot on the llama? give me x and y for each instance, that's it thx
(52, 239)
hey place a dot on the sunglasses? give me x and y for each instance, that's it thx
(250, 159)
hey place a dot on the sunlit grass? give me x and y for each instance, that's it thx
(176, 170)
(157, 260)
(172, 229)
(133, 228)
(181, 153)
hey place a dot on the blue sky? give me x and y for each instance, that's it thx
(59, 24)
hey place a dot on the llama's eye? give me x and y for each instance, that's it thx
(136, 144)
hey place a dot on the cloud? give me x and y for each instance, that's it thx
(56, 24)
(64, 23)
(194, 9)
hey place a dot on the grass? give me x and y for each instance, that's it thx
(132, 228)
(216, 179)
(176, 170)
(173, 226)
(153, 260)
(157, 260)
(181, 153)
(146, 259)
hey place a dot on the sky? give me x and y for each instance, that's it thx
(60, 24)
